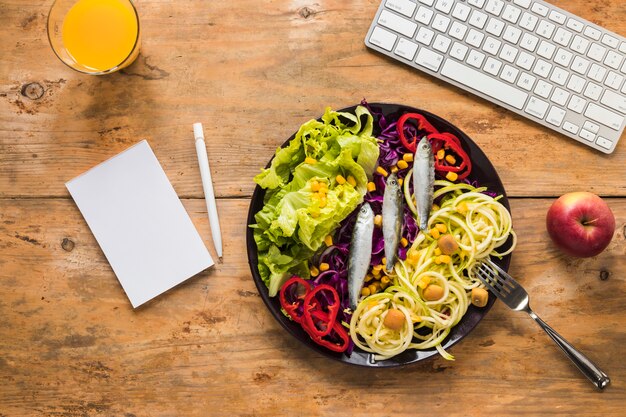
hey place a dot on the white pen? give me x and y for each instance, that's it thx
(207, 185)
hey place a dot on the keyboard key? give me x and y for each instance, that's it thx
(475, 59)
(570, 127)
(477, 3)
(425, 36)
(529, 42)
(555, 116)
(424, 15)
(525, 60)
(492, 66)
(575, 25)
(580, 65)
(593, 33)
(406, 49)
(546, 50)
(429, 59)
(509, 74)
(604, 142)
(579, 44)
(622, 48)
(557, 17)
(441, 44)
(543, 89)
(563, 57)
(613, 80)
(526, 81)
(491, 46)
(596, 73)
(495, 26)
(511, 13)
(540, 9)
(587, 135)
(512, 34)
(596, 52)
(614, 101)
(545, 29)
(494, 7)
(523, 3)
(562, 36)
(592, 91)
(559, 96)
(577, 104)
(461, 12)
(610, 41)
(444, 6)
(559, 76)
(478, 19)
(528, 21)
(405, 7)
(592, 127)
(427, 2)
(508, 53)
(542, 68)
(480, 82)
(441, 23)
(458, 51)
(383, 38)
(613, 59)
(576, 83)
(457, 30)
(536, 107)
(474, 38)
(399, 24)
(604, 116)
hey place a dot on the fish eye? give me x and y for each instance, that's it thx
(393, 182)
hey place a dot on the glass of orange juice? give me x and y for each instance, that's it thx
(94, 36)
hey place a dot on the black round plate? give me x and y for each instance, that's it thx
(482, 171)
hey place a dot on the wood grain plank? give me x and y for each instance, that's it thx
(73, 346)
(252, 82)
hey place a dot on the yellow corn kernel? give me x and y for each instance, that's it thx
(417, 319)
(382, 171)
(385, 280)
(328, 240)
(377, 268)
(314, 271)
(423, 283)
(372, 288)
(404, 242)
(437, 251)
(407, 157)
(441, 154)
(315, 214)
(369, 277)
(438, 260)
(441, 227)
(351, 180)
(394, 169)
(384, 261)
(340, 179)
(452, 176)
(402, 164)
(323, 187)
(444, 259)
(400, 182)
(435, 207)
(450, 159)
(371, 186)
(378, 220)
(462, 207)
(315, 186)
(434, 233)
(324, 266)
(413, 255)
(376, 273)
(310, 160)
(365, 291)
(323, 201)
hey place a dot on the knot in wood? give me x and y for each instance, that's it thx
(306, 12)
(33, 91)
(67, 244)
(604, 275)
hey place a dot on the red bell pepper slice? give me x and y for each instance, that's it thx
(422, 124)
(450, 142)
(292, 306)
(320, 325)
(336, 340)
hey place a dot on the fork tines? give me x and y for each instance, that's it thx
(495, 278)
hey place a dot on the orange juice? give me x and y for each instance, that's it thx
(101, 34)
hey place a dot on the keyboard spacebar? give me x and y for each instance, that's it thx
(483, 83)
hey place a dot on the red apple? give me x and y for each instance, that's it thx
(581, 224)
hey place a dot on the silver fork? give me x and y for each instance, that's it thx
(509, 291)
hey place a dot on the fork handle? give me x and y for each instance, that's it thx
(583, 363)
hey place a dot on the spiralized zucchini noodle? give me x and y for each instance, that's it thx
(480, 225)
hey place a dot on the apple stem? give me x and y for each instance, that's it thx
(587, 222)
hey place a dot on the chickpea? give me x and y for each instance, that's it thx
(394, 319)
(433, 292)
(479, 297)
(447, 244)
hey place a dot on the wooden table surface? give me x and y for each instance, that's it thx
(252, 72)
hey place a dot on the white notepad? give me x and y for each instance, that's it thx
(140, 223)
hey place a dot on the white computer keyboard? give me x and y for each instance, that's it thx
(528, 56)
